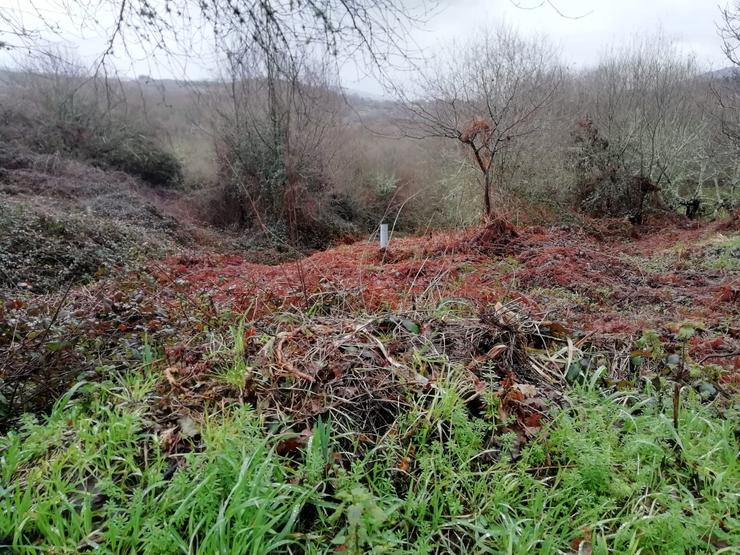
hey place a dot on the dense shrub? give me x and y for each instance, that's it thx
(137, 155)
(55, 107)
(272, 175)
(113, 144)
(603, 186)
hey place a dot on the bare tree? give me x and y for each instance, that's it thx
(272, 122)
(377, 30)
(729, 31)
(727, 88)
(642, 126)
(726, 91)
(487, 96)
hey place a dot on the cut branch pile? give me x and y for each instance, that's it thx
(361, 374)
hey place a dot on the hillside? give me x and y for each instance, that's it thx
(205, 351)
(470, 390)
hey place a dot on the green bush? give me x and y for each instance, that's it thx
(140, 156)
(604, 186)
(59, 109)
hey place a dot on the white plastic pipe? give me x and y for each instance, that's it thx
(383, 236)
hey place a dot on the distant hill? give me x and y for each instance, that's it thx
(725, 73)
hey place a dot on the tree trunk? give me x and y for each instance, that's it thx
(487, 193)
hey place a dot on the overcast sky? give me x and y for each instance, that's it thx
(591, 26)
(691, 23)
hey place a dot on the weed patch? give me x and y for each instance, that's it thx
(377, 402)
(609, 474)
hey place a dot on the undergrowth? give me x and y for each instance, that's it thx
(724, 254)
(608, 473)
(42, 251)
(334, 427)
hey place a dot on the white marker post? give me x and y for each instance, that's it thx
(383, 236)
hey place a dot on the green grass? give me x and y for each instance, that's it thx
(92, 475)
(723, 253)
(719, 252)
(609, 467)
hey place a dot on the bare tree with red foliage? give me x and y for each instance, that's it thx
(487, 95)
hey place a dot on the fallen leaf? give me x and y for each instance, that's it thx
(187, 426)
(496, 351)
(526, 390)
(582, 544)
(292, 444)
(169, 439)
(533, 420)
(168, 373)
(411, 326)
